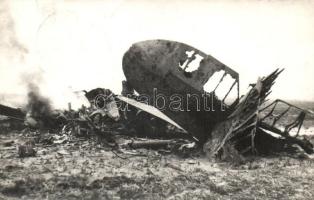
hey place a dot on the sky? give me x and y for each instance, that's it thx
(66, 46)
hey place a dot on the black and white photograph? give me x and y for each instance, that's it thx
(154, 100)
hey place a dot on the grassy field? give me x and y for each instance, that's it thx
(85, 169)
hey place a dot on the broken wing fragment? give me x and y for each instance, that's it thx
(149, 109)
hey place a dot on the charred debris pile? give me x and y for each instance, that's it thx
(176, 99)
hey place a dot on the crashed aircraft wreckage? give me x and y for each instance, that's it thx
(173, 84)
(165, 66)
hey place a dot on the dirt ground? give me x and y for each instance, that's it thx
(81, 168)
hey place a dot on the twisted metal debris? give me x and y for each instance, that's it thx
(230, 127)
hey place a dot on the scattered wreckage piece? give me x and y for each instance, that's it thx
(13, 113)
(270, 117)
(151, 110)
(181, 147)
(11, 118)
(27, 149)
(98, 97)
(149, 144)
(239, 130)
(276, 121)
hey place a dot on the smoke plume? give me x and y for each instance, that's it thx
(37, 105)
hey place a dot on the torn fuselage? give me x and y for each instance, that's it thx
(174, 77)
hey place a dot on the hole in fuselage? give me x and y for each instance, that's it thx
(191, 63)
